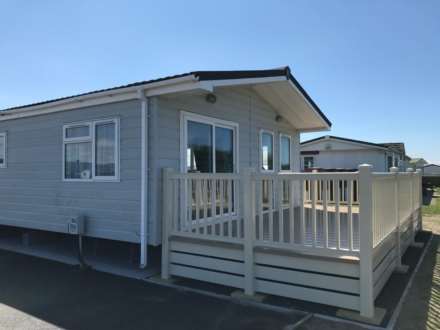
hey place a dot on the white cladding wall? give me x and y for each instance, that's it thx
(240, 105)
(351, 159)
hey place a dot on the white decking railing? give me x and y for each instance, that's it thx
(340, 216)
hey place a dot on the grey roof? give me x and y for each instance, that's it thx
(201, 76)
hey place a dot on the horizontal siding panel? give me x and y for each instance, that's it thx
(206, 249)
(306, 278)
(35, 194)
(207, 263)
(207, 276)
(308, 294)
(321, 265)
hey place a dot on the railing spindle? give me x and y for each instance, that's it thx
(270, 197)
(190, 204)
(292, 211)
(303, 213)
(313, 189)
(205, 206)
(229, 192)
(325, 212)
(213, 200)
(198, 191)
(280, 210)
(337, 214)
(350, 214)
(260, 209)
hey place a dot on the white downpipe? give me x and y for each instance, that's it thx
(144, 178)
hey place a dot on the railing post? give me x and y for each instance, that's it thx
(395, 170)
(411, 192)
(366, 240)
(166, 221)
(420, 192)
(248, 189)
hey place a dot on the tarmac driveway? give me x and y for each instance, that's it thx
(41, 294)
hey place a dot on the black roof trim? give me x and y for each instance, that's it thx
(309, 152)
(429, 165)
(202, 76)
(345, 139)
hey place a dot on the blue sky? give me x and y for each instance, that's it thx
(373, 66)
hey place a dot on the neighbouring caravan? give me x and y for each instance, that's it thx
(330, 153)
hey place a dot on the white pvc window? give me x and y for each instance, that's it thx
(209, 144)
(91, 151)
(285, 152)
(267, 151)
(3, 150)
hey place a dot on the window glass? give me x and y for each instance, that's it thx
(199, 147)
(224, 150)
(105, 141)
(309, 162)
(77, 131)
(267, 151)
(285, 153)
(390, 162)
(78, 160)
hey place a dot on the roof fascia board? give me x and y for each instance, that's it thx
(310, 130)
(177, 88)
(245, 81)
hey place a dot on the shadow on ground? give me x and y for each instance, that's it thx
(39, 293)
(421, 309)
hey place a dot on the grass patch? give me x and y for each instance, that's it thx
(434, 207)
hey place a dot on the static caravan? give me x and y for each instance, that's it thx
(333, 152)
(99, 155)
(207, 165)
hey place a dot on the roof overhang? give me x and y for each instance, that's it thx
(363, 144)
(277, 87)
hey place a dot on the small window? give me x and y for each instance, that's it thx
(285, 153)
(2, 150)
(80, 131)
(91, 150)
(267, 151)
(309, 162)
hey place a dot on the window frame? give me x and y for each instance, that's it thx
(186, 116)
(91, 138)
(282, 135)
(260, 151)
(5, 150)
